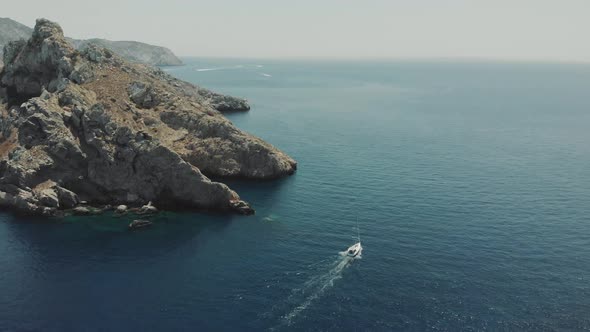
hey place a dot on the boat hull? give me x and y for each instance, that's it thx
(354, 250)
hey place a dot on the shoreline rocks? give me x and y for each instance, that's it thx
(147, 209)
(241, 207)
(121, 209)
(89, 127)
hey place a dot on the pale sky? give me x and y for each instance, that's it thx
(541, 30)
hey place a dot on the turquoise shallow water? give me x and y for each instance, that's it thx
(471, 183)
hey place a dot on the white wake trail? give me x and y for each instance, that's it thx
(315, 287)
(209, 69)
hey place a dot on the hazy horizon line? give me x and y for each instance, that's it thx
(396, 59)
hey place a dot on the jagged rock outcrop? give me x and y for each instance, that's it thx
(133, 51)
(88, 126)
(136, 52)
(220, 102)
(41, 62)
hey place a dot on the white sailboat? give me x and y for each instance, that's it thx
(355, 249)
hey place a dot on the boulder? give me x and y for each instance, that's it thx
(67, 199)
(147, 209)
(121, 209)
(81, 211)
(20, 200)
(241, 207)
(48, 197)
(143, 95)
(139, 223)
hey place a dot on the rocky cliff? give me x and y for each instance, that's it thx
(136, 52)
(88, 126)
(133, 51)
(11, 30)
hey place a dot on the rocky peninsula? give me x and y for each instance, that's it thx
(88, 128)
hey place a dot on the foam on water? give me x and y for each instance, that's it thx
(315, 287)
(219, 68)
(208, 69)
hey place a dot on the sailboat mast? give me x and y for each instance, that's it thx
(358, 232)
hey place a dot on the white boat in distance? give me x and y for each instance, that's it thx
(354, 250)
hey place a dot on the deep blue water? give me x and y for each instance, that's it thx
(470, 181)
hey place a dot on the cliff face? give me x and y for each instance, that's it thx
(11, 30)
(90, 126)
(133, 51)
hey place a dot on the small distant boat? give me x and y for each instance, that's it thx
(354, 250)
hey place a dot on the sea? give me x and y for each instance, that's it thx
(469, 183)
